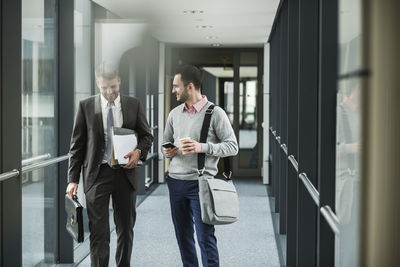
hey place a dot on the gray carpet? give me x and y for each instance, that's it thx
(248, 242)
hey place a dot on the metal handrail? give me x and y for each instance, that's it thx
(41, 157)
(8, 175)
(310, 187)
(331, 219)
(294, 162)
(284, 148)
(278, 138)
(151, 156)
(44, 164)
(153, 128)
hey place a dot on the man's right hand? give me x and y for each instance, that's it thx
(171, 152)
(72, 189)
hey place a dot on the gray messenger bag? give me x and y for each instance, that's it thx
(219, 201)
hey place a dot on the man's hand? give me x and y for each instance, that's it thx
(171, 152)
(134, 157)
(191, 147)
(72, 189)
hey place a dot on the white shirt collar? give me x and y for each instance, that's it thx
(104, 101)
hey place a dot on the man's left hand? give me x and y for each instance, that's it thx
(133, 159)
(191, 147)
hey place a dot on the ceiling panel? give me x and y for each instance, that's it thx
(233, 23)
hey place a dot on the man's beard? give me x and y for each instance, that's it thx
(184, 96)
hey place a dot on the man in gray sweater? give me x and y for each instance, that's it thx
(184, 121)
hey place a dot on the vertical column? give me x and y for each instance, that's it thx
(308, 129)
(293, 84)
(380, 236)
(160, 107)
(277, 159)
(328, 66)
(11, 195)
(65, 113)
(284, 117)
(266, 110)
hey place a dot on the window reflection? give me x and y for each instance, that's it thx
(39, 84)
(248, 153)
(82, 33)
(83, 87)
(347, 171)
(350, 36)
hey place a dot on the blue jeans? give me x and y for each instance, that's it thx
(185, 210)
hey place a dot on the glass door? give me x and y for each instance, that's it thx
(247, 114)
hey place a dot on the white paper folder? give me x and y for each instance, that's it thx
(123, 141)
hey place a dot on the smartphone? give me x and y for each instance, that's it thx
(168, 145)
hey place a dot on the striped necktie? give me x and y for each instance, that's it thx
(110, 124)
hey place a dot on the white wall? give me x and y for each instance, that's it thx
(161, 99)
(114, 38)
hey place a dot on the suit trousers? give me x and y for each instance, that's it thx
(111, 183)
(185, 211)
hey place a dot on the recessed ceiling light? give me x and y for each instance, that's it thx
(204, 26)
(211, 37)
(193, 12)
(216, 45)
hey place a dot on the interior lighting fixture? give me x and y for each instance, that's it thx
(193, 12)
(211, 37)
(204, 26)
(216, 45)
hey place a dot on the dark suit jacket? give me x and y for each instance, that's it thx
(88, 144)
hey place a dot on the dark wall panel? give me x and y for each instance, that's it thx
(209, 87)
(292, 143)
(327, 125)
(11, 205)
(284, 117)
(308, 129)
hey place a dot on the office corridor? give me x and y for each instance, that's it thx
(248, 242)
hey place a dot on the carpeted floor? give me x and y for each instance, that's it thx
(248, 242)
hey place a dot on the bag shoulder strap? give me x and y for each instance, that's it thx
(201, 157)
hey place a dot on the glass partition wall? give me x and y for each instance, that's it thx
(315, 80)
(348, 134)
(39, 130)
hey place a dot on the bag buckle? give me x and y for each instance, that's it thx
(201, 171)
(209, 111)
(228, 177)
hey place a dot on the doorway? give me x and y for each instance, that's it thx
(232, 78)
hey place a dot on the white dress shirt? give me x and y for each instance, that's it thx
(117, 116)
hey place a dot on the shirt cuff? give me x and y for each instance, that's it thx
(205, 148)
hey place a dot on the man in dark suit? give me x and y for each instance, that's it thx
(91, 149)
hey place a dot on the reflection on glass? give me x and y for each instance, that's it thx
(225, 88)
(83, 78)
(228, 99)
(347, 172)
(82, 15)
(39, 84)
(349, 36)
(248, 153)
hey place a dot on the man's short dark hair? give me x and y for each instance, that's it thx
(190, 74)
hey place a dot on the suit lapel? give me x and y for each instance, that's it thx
(98, 116)
(125, 113)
